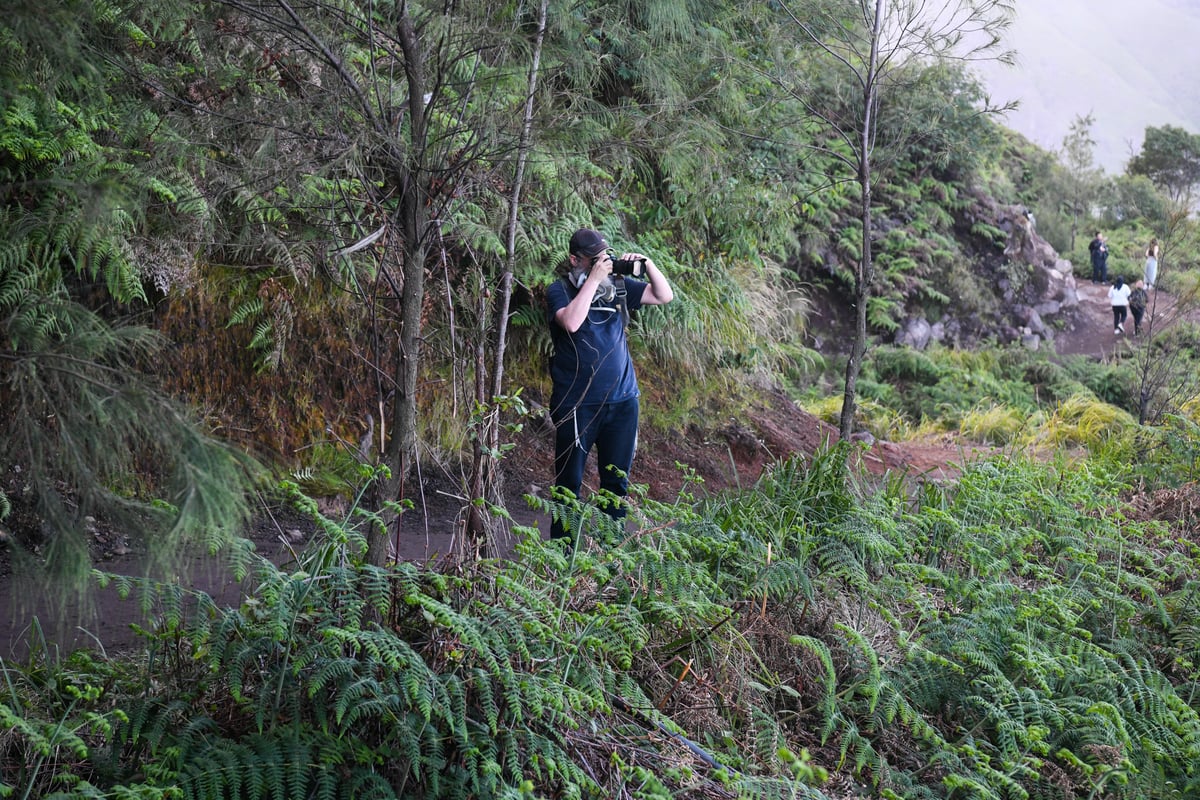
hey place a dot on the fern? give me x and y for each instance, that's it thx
(246, 311)
(827, 702)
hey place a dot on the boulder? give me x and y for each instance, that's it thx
(1053, 280)
(918, 333)
(1049, 308)
(1029, 319)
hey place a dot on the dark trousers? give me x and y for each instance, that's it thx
(1119, 316)
(1099, 271)
(1138, 313)
(612, 429)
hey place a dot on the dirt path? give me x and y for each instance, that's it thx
(1091, 333)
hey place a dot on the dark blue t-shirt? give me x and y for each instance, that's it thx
(591, 366)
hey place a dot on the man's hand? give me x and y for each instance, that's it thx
(602, 266)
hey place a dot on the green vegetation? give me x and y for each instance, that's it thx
(301, 228)
(1010, 635)
(992, 396)
(83, 430)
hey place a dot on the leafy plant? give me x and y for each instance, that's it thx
(996, 424)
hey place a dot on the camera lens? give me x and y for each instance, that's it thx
(626, 266)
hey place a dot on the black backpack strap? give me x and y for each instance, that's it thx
(622, 299)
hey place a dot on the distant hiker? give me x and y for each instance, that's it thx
(1099, 251)
(1020, 241)
(1137, 305)
(1150, 273)
(594, 399)
(1118, 296)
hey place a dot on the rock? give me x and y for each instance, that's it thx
(915, 333)
(1049, 308)
(1053, 277)
(1028, 319)
(863, 436)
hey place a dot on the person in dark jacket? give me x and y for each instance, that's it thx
(1099, 251)
(594, 396)
(1137, 305)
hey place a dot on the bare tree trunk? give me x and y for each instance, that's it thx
(1074, 221)
(510, 243)
(476, 526)
(490, 432)
(862, 294)
(411, 178)
(866, 266)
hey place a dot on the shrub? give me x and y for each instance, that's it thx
(905, 364)
(1084, 420)
(879, 420)
(995, 424)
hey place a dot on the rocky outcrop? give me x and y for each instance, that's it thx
(1050, 291)
(1035, 288)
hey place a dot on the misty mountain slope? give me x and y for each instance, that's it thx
(1131, 65)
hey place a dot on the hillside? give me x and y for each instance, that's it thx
(726, 454)
(273, 338)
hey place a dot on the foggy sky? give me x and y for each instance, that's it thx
(1130, 63)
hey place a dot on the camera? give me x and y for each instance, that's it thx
(634, 267)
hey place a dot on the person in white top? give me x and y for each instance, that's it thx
(1118, 296)
(1150, 271)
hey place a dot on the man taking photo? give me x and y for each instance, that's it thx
(594, 400)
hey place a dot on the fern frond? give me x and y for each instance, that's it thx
(828, 700)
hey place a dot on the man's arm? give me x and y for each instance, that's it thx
(659, 291)
(572, 315)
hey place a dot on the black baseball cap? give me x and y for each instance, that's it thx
(587, 242)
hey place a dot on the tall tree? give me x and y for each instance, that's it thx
(486, 445)
(357, 143)
(321, 139)
(881, 50)
(1170, 157)
(1126, 198)
(1083, 177)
